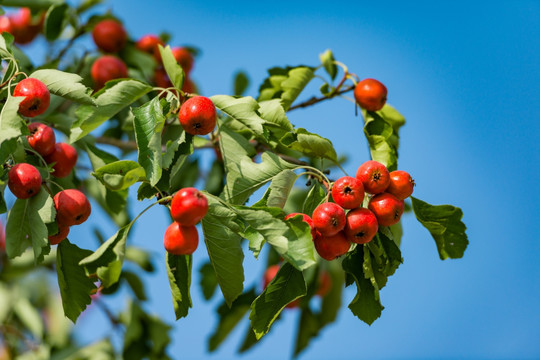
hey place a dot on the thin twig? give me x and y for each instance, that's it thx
(314, 100)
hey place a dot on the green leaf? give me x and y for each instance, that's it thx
(120, 175)
(244, 110)
(148, 124)
(179, 272)
(273, 112)
(287, 286)
(173, 69)
(208, 280)
(12, 124)
(229, 318)
(315, 197)
(285, 84)
(366, 304)
(215, 178)
(310, 144)
(328, 62)
(115, 96)
(445, 225)
(26, 226)
(75, 286)
(224, 248)
(55, 21)
(66, 85)
(280, 187)
(241, 83)
(6, 41)
(136, 284)
(29, 316)
(32, 4)
(140, 257)
(100, 350)
(137, 59)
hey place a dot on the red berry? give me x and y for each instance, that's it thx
(106, 68)
(331, 247)
(329, 218)
(22, 26)
(306, 219)
(374, 176)
(181, 240)
(183, 58)
(370, 94)
(149, 44)
(62, 234)
(109, 35)
(361, 226)
(387, 209)
(72, 207)
(161, 78)
(37, 97)
(189, 206)
(401, 184)
(348, 192)
(24, 181)
(5, 24)
(41, 138)
(198, 115)
(65, 157)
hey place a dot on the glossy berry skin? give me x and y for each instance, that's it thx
(106, 68)
(72, 207)
(348, 192)
(387, 209)
(370, 94)
(198, 115)
(306, 219)
(332, 246)
(37, 97)
(361, 226)
(41, 138)
(63, 232)
(109, 36)
(181, 240)
(189, 206)
(401, 184)
(183, 58)
(374, 176)
(329, 219)
(149, 44)
(24, 181)
(65, 157)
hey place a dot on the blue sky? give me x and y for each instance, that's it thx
(466, 77)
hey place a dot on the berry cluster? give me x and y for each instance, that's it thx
(188, 207)
(333, 229)
(22, 25)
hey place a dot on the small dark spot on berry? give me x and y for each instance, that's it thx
(197, 125)
(30, 191)
(360, 234)
(79, 217)
(347, 190)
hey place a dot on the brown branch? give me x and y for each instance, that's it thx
(131, 145)
(314, 100)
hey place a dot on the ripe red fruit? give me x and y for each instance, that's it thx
(106, 68)
(331, 247)
(181, 240)
(189, 206)
(370, 94)
(161, 78)
(387, 209)
(37, 97)
(65, 157)
(5, 24)
(63, 232)
(361, 226)
(401, 184)
(149, 44)
(24, 181)
(41, 138)
(306, 219)
(183, 58)
(348, 192)
(23, 28)
(109, 35)
(329, 219)
(374, 176)
(198, 115)
(72, 207)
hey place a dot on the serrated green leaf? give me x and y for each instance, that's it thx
(328, 62)
(285, 84)
(310, 144)
(55, 21)
(287, 286)
(314, 198)
(120, 175)
(229, 318)
(26, 226)
(208, 280)
(280, 187)
(445, 225)
(224, 248)
(173, 69)
(12, 124)
(244, 110)
(273, 112)
(75, 286)
(6, 41)
(115, 96)
(215, 178)
(148, 123)
(179, 272)
(64, 84)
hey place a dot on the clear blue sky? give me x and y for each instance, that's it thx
(466, 76)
